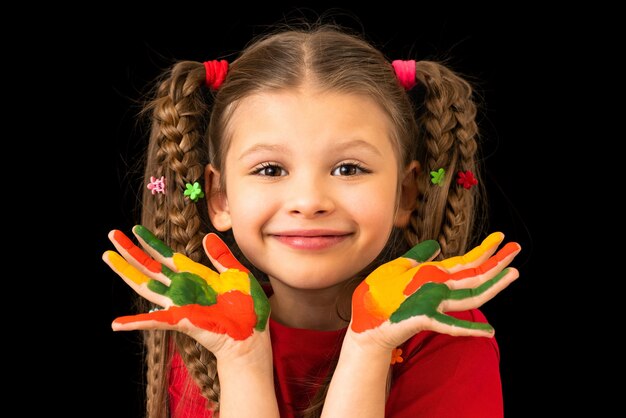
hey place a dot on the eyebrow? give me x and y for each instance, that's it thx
(356, 143)
(264, 147)
(342, 146)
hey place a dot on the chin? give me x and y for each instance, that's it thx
(313, 279)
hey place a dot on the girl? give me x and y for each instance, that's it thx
(348, 186)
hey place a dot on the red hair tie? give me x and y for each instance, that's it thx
(405, 71)
(215, 73)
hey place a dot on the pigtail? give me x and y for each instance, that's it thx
(177, 154)
(447, 139)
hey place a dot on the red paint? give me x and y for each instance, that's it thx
(220, 252)
(425, 274)
(491, 263)
(233, 314)
(431, 273)
(136, 252)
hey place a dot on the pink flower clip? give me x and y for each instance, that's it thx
(466, 179)
(157, 185)
(215, 73)
(405, 71)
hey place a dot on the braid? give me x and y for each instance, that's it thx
(177, 151)
(448, 132)
(156, 362)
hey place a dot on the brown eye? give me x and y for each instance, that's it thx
(270, 170)
(348, 169)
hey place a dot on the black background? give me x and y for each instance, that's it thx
(496, 49)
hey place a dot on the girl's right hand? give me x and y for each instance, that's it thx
(226, 312)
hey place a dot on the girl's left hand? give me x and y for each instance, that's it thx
(401, 298)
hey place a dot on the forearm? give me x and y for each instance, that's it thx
(247, 385)
(358, 386)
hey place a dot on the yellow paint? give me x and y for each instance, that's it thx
(126, 270)
(183, 263)
(386, 285)
(492, 241)
(231, 279)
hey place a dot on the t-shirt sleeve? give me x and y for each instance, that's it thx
(444, 376)
(185, 399)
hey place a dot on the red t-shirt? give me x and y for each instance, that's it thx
(440, 376)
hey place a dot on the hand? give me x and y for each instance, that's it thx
(208, 306)
(401, 297)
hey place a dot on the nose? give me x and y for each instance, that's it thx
(310, 196)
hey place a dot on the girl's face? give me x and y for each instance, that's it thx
(311, 182)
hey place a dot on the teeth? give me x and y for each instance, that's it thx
(154, 310)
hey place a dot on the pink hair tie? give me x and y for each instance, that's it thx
(215, 73)
(405, 71)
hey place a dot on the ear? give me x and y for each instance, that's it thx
(409, 191)
(217, 202)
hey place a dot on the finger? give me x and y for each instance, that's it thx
(154, 246)
(175, 262)
(220, 255)
(474, 277)
(433, 320)
(446, 324)
(137, 280)
(475, 256)
(137, 257)
(423, 251)
(463, 299)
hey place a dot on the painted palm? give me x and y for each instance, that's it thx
(402, 289)
(192, 295)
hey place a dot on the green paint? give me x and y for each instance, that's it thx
(185, 288)
(261, 304)
(426, 301)
(461, 323)
(423, 302)
(423, 251)
(459, 294)
(153, 241)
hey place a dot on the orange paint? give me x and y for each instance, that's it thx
(363, 308)
(233, 314)
(136, 252)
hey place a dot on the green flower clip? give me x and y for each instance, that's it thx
(194, 191)
(437, 176)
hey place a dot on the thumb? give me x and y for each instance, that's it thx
(423, 251)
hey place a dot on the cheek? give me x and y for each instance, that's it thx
(374, 211)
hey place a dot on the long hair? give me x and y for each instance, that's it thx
(435, 124)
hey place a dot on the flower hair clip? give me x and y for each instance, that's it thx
(466, 179)
(157, 185)
(436, 177)
(193, 191)
(215, 73)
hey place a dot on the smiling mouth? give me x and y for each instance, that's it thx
(310, 240)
